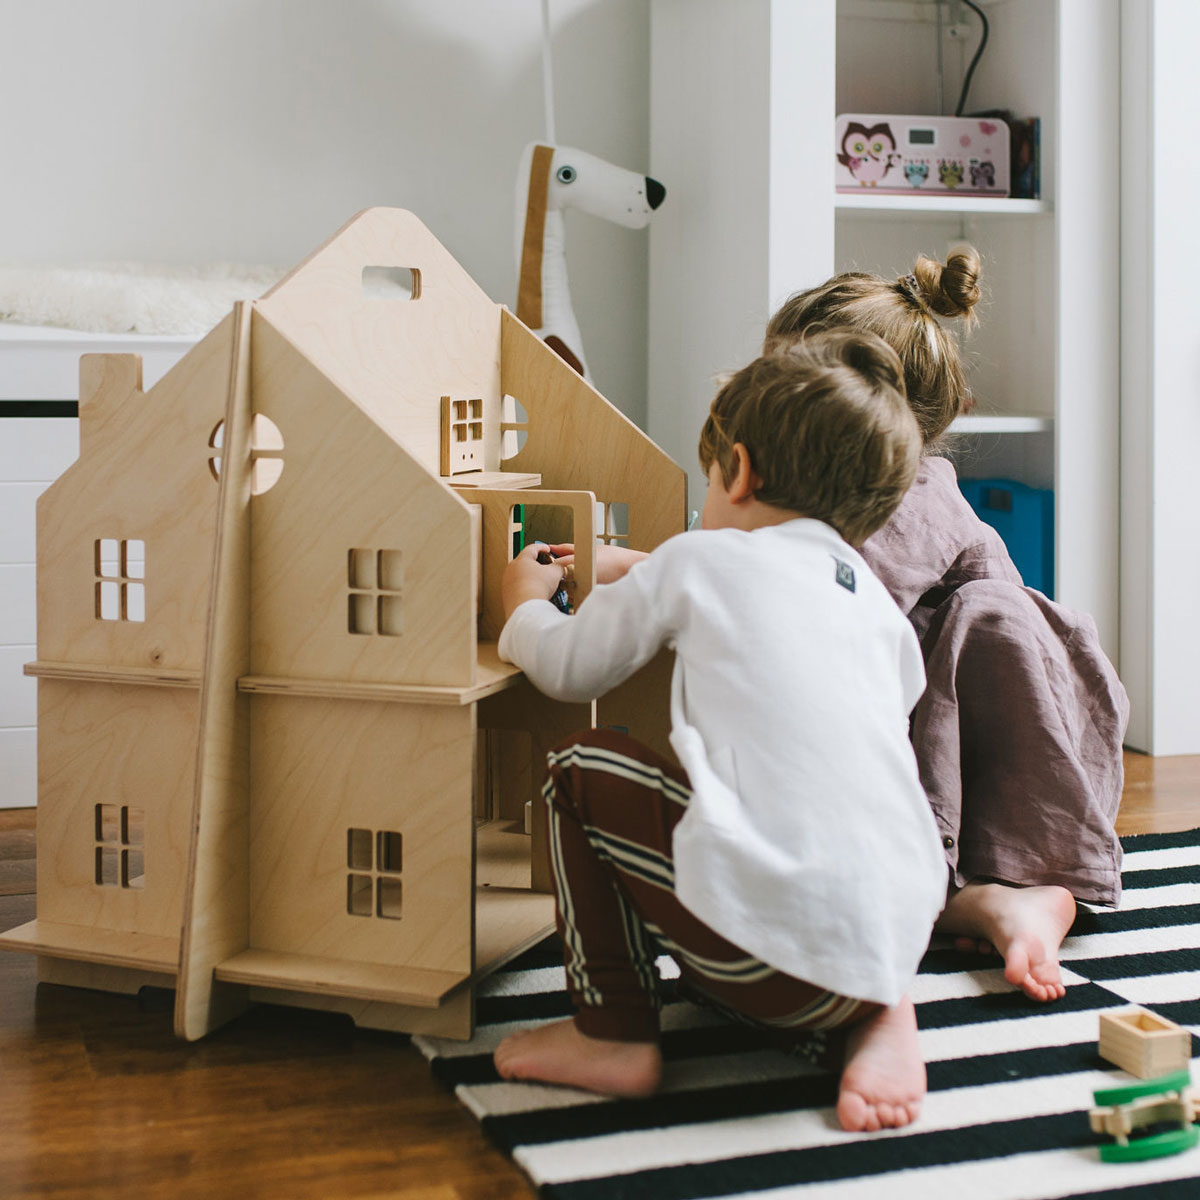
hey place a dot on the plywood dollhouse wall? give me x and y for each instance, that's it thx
(136, 449)
(123, 591)
(390, 562)
(262, 774)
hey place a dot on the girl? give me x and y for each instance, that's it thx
(1018, 734)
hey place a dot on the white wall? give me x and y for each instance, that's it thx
(1160, 378)
(190, 131)
(735, 125)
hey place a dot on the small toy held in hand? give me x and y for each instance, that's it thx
(561, 600)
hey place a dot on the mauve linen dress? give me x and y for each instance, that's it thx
(1018, 734)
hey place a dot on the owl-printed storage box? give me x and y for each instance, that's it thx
(905, 155)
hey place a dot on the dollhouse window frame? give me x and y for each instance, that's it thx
(375, 584)
(374, 866)
(120, 579)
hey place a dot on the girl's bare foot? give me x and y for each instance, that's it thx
(883, 1081)
(559, 1053)
(1025, 925)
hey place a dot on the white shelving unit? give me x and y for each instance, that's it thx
(963, 205)
(1002, 423)
(744, 94)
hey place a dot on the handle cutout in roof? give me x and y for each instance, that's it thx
(391, 283)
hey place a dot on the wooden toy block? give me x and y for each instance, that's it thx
(279, 756)
(1143, 1043)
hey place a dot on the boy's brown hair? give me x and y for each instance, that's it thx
(825, 423)
(904, 313)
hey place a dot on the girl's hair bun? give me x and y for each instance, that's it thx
(870, 356)
(950, 289)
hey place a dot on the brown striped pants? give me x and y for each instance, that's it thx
(613, 806)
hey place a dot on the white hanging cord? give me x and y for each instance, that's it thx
(548, 74)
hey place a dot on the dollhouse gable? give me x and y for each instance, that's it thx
(392, 319)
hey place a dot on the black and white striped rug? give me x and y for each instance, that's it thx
(1010, 1081)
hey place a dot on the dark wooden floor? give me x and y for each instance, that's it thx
(98, 1099)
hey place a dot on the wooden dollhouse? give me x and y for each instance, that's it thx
(279, 757)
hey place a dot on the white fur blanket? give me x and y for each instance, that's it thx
(129, 297)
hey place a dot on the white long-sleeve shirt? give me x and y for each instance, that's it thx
(808, 841)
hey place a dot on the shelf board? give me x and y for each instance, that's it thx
(179, 677)
(413, 986)
(90, 943)
(491, 675)
(883, 204)
(895, 10)
(494, 479)
(1001, 423)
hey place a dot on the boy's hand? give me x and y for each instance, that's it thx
(527, 579)
(611, 561)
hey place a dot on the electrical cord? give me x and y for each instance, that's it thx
(962, 99)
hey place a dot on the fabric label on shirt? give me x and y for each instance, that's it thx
(845, 574)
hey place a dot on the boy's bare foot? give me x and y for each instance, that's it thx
(559, 1053)
(883, 1081)
(1025, 925)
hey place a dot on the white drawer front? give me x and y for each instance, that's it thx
(37, 449)
(18, 691)
(18, 768)
(18, 521)
(40, 363)
(18, 604)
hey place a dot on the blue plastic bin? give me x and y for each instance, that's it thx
(1024, 517)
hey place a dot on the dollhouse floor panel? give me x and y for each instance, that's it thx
(86, 943)
(411, 986)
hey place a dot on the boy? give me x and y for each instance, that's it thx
(793, 868)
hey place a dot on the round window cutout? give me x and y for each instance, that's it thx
(266, 453)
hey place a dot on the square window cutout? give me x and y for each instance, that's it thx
(362, 612)
(390, 855)
(107, 866)
(133, 559)
(361, 570)
(390, 893)
(391, 616)
(358, 849)
(358, 895)
(133, 869)
(108, 827)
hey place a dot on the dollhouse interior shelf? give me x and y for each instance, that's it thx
(491, 676)
(152, 676)
(496, 479)
(89, 943)
(414, 986)
(877, 205)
